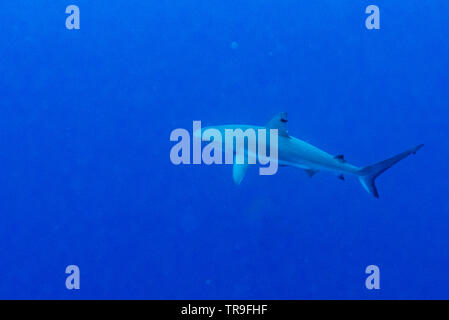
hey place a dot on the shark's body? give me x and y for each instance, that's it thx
(298, 153)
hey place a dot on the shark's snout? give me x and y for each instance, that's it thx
(197, 134)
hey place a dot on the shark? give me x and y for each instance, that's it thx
(294, 152)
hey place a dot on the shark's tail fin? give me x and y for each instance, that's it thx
(369, 174)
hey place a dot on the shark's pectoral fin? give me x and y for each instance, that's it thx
(238, 172)
(279, 122)
(311, 172)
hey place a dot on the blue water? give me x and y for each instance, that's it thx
(86, 177)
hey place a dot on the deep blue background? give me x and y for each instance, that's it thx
(86, 178)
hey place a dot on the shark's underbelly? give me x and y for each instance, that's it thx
(300, 154)
(293, 152)
(316, 166)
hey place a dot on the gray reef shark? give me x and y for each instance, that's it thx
(300, 154)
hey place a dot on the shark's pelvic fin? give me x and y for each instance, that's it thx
(238, 172)
(279, 122)
(311, 172)
(369, 174)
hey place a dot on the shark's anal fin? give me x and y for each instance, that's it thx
(310, 172)
(279, 122)
(340, 158)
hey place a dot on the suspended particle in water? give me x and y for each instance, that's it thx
(234, 45)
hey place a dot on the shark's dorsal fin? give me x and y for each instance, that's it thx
(279, 122)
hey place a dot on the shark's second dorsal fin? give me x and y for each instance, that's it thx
(279, 122)
(340, 158)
